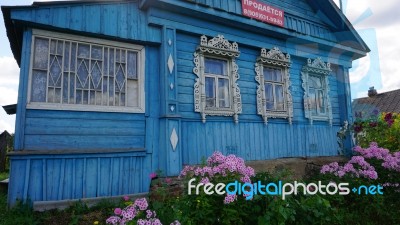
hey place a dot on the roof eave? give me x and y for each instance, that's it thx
(14, 37)
(10, 109)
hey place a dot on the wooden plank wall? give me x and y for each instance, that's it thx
(299, 16)
(57, 177)
(255, 141)
(116, 19)
(74, 130)
(251, 139)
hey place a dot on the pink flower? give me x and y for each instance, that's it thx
(168, 180)
(153, 175)
(126, 198)
(117, 211)
(230, 198)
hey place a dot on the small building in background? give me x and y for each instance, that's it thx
(5, 146)
(386, 102)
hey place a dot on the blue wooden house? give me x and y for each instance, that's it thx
(111, 91)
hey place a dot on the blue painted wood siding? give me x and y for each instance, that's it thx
(76, 130)
(117, 19)
(186, 46)
(73, 130)
(251, 139)
(256, 141)
(57, 177)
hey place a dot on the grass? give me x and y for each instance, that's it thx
(3, 175)
(77, 214)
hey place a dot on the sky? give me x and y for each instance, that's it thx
(377, 22)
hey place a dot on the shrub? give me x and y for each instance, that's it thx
(383, 129)
(370, 166)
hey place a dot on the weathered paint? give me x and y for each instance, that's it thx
(57, 177)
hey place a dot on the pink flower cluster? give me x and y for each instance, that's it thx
(362, 169)
(218, 164)
(358, 167)
(390, 161)
(230, 198)
(122, 216)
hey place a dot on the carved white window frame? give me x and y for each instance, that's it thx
(322, 70)
(220, 48)
(274, 59)
(97, 107)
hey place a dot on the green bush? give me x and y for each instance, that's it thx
(383, 129)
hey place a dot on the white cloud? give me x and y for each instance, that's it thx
(9, 71)
(8, 96)
(385, 20)
(9, 75)
(7, 122)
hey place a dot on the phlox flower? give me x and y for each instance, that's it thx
(229, 198)
(153, 175)
(117, 211)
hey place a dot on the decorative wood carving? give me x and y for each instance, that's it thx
(217, 46)
(274, 57)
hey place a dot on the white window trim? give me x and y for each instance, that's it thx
(217, 47)
(77, 107)
(274, 59)
(320, 69)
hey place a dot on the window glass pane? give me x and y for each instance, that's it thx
(120, 76)
(83, 73)
(97, 52)
(39, 83)
(278, 75)
(313, 102)
(321, 102)
(66, 55)
(315, 82)
(210, 92)
(53, 44)
(223, 93)
(269, 96)
(133, 92)
(65, 88)
(40, 60)
(132, 65)
(96, 74)
(55, 69)
(279, 97)
(269, 74)
(68, 72)
(215, 66)
(83, 51)
(272, 74)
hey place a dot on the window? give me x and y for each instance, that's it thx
(78, 73)
(273, 96)
(217, 83)
(216, 92)
(316, 90)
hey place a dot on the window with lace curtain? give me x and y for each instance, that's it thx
(317, 105)
(71, 72)
(274, 99)
(216, 91)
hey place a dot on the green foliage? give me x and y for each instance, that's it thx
(375, 209)
(3, 176)
(21, 214)
(383, 129)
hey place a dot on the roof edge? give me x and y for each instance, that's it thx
(11, 31)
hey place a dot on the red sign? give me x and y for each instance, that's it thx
(263, 12)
